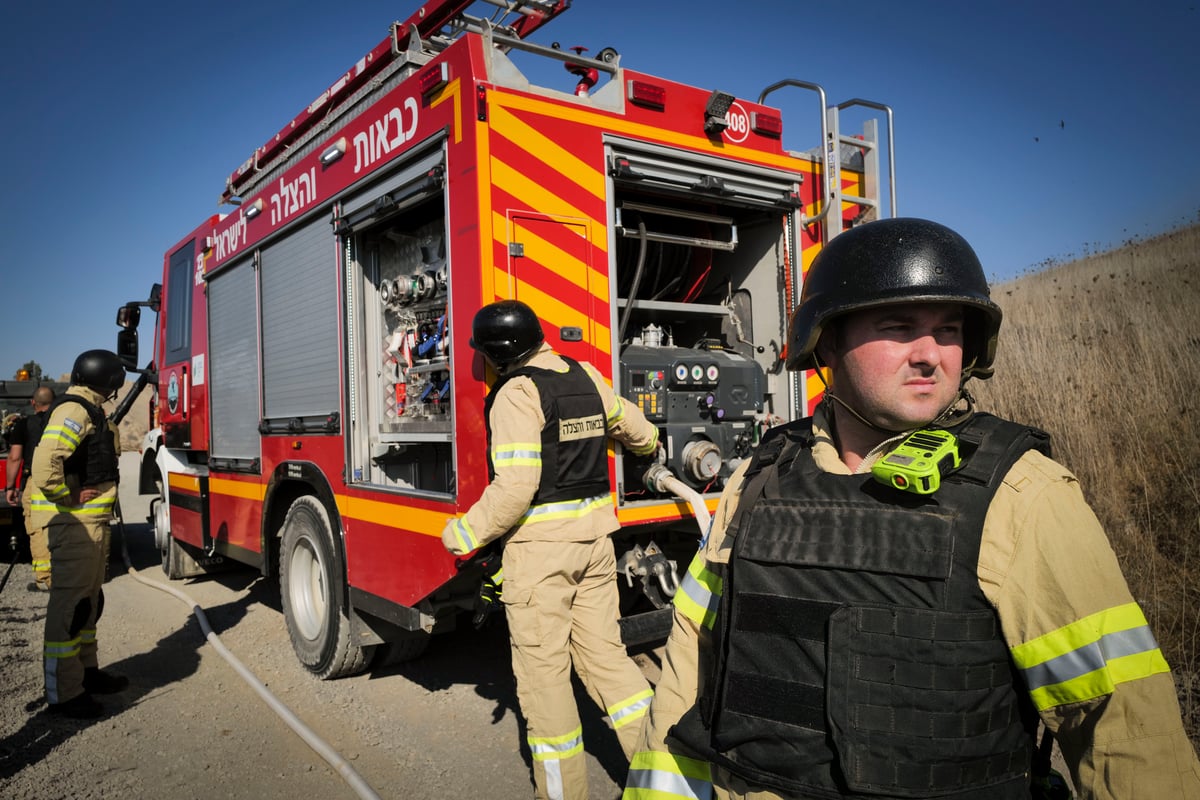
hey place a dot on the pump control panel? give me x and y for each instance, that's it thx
(704, 400)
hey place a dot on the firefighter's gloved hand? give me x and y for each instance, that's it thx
(457, 536)
(1049, 787)
(487, 600)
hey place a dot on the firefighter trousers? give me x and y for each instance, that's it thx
(39, 543)
(77, 557)
(560, 599)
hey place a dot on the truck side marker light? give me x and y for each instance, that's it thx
(433, 79)
(766, 124)
(333, 152)
(647, 94)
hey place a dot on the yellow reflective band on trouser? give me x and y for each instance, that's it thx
(663, 776)
(569, 509)
(551, 752)
(87, 636)
(54, 653)
(630, 709)
(464, 534)
(41, 565)
(517, 455)
(548, 748)
(67, 649)
(1088, 658)
(699, 593)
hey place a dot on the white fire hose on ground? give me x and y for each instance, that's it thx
(319, 745)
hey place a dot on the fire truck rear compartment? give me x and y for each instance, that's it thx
(701, 315)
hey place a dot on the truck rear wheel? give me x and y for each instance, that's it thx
(313, 592)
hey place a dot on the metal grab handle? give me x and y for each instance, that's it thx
(827, 191)
(891, 144)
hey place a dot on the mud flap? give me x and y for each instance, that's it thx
(650, 626)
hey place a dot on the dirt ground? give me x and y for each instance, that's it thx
(189, 726)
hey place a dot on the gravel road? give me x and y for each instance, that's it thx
(188, 726)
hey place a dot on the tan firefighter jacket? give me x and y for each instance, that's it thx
(66, 427)
(1046, 566)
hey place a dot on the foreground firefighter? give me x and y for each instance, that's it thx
(74, 489)
(896, 590)
(548, 420)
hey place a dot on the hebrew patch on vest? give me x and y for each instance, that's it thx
(581, 428)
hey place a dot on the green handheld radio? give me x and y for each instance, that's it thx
(920, 462)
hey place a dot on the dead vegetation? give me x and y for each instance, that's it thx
(1104, 353)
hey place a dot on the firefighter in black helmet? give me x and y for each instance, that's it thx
(74, 484)
(549, 501)
(865, 620)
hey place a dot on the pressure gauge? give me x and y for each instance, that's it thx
(712, 373)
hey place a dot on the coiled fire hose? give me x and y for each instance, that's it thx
(322, 748)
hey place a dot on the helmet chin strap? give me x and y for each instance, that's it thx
(945, 414)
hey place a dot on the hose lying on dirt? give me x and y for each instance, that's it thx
(319, 745)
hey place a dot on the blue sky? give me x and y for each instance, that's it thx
(1038, 130)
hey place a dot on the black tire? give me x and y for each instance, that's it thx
(312, 588)
(173, 562)
(409, 647)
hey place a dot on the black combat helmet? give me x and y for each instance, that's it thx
(506, 332)
(100, 370)
(889, 261)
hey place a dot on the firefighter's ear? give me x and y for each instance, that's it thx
(826, 351)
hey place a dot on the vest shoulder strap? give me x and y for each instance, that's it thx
(95, 412)
(778, 446)
(989, 446)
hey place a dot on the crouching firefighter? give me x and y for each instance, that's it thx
(897, 591)
(74, 485)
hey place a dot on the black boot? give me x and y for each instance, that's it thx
(83, 706)
(97, 681)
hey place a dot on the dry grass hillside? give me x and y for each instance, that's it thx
(1104, 353)
(133, 428)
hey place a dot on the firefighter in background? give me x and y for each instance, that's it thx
(74, 488)
(838, 636)
(548, 420)
(24, 436)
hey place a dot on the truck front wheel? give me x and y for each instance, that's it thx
(312, 589)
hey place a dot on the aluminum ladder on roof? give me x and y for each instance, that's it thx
(836, 144)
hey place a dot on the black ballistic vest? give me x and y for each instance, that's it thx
(574, 439)
(95, 459)
(854, 653)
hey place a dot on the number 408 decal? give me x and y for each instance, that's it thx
(739, 123)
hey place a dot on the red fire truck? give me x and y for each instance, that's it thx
(319, 410)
